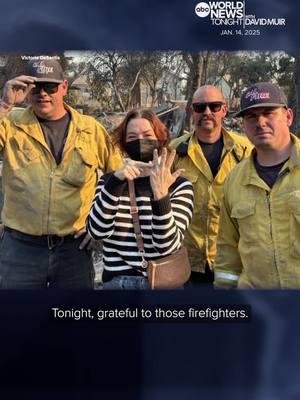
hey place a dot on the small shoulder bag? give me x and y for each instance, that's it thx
(169, 272)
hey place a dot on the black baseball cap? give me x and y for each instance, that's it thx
(45, 70)
(262, 94)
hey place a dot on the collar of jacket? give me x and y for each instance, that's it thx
(28, 122)
(25, 118)
(251, 177)
(294, 160)
(230, 145)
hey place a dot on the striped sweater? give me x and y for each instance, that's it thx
(163, 222)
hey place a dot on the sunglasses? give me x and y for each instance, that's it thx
(48, 87)
(214, 106)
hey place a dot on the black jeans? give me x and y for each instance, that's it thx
(28, 265)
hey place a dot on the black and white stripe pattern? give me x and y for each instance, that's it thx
(163, 222)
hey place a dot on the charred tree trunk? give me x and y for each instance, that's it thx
(195, 63)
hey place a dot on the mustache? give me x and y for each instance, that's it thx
(207, 118)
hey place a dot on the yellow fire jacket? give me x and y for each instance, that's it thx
(200, 237)
(259, 237)
(42, 197)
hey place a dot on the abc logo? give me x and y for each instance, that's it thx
(202, 9)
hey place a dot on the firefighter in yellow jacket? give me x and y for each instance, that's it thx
(50, 154)
(259, 237)
(207, 156)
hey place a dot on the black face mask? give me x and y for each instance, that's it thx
(141, 149)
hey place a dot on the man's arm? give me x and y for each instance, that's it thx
(110, 158)
(228, 266)
(14, 92)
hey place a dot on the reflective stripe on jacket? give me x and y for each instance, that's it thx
(259, 236)
(200, 238)
(41, 197)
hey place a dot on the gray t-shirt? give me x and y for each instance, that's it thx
(55, 132)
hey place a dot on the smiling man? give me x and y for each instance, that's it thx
(259, 236)
(50, 154)
(207, 156)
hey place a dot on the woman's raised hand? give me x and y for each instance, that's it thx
(161, 177)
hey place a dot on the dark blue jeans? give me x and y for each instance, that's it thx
(127, 283)
(26, 265)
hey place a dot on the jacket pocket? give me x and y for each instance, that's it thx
(82, 165)
(295, 228)
(244, 214)
(21, 163)
(24, 152)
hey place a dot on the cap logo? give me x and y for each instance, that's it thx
(254, 94)
(42, 68)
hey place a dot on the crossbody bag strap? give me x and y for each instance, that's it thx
(135, 220)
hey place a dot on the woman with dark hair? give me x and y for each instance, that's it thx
(164, 201)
